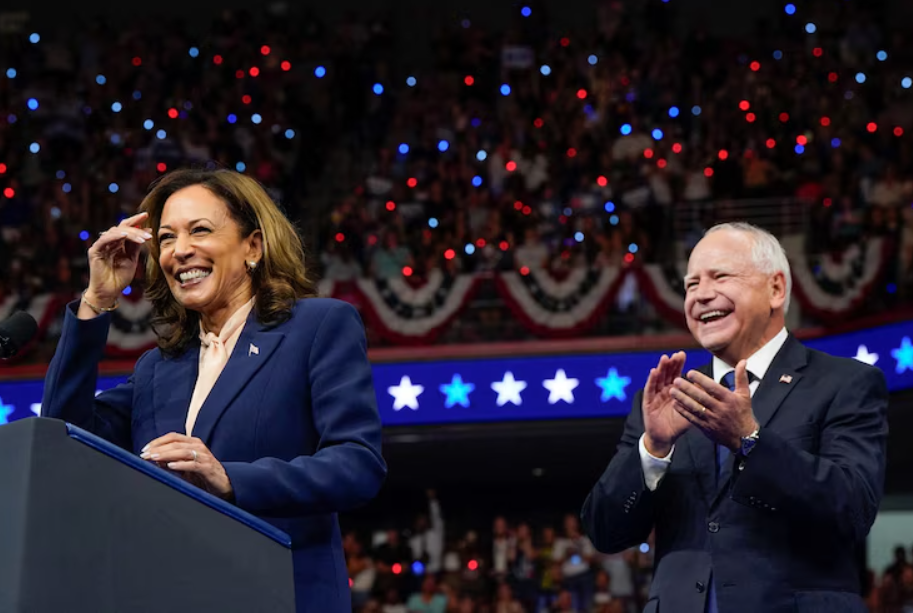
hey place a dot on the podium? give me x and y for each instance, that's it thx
(88, 527)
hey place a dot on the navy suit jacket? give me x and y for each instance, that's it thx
(295, 424)
(781, 529)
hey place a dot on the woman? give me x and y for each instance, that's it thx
(257, 392)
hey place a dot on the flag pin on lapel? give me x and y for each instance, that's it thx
(786, 378)
(254, 350)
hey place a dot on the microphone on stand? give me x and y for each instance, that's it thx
(15, 333)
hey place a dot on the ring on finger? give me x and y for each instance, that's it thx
(194, 452)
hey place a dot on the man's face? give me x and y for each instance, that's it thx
(730, 305)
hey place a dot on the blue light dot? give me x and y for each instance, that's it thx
(378, 89)
(835, 142)
(443, 146)
(695, 110)
(256, 118)
(320, 72)
(545, 69)
(60, 174)
(188, 105)
(137, 95)
(609, 207)
(778, 55)
(578, 236)
(657, 134)
(232, 118)
(55, 212)
(469, 249)
(11, 118)
(644, 548)
(906, 82)
(633, 248)
(882, 56)
(626, 129)
(848, 95)
(810, 28)
(100, 79)
(66, 187)
(161, 134)
(290, 134)
(404, 148)
(34, 147)
(673, 111)
(568, 211)
(148, 124)
(418, 568)
(127, 291)
(11, 73)
(115, 139)
(476, 122)
(481, 155)
(34, 37)
(33, 104)
(592, 60)
(526, 11)
(860, 77)
(194, 52)
(116, 107)
(476, 181)
(790, 9)
(892, 288)
(505, 90)
(113, 187)
(240, 166)
(800, 149)
(613, 220)
(84, 235)
(433, 223)
(411, 81)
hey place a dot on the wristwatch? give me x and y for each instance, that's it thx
(748, 442)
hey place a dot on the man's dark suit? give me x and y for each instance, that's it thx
(781, 529)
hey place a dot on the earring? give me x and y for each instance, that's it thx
(252, 265)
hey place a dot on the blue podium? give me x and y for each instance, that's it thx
(88, 527)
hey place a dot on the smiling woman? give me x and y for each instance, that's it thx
(258, 392)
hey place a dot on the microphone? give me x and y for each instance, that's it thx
(15, 333)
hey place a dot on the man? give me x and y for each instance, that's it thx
(761, 472)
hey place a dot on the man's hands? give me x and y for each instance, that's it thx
(663, 424)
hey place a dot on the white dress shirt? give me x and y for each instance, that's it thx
(655, 468)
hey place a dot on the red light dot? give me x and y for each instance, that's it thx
(161, 167)
(629, 257)
(571, 152)
(538, 123)
(527, 210)
(801, 140)
(391, 206)
(254, 71)
(677, 148)
(708, 172)
(827, 202)
(239, 74)
(723, 154)
(504, 245)
(755, 66)
(825, 121)
(817, 51)
(744, 105)
(351, 583)
(750, 117)
(217, 60)
(286, 65)
(2, 168)
(449, 254)
(832, 77)
(137, 61)
(481, 243)
(565, 41)
(407, 271)
(472, 565)
(518, 205)
(648, 153)
(771, 143)
(397, 568)
(784, 117)
(601, 181)
(524, 270)
(581, 93)
(245, 99)
(340, 237)
(412, 182)
(872, 126)
(661, 163)
(372, 239)
(173, 113)
(9, 192)
(469, 80)
(510, 166)
(265, 49)
(898, 131)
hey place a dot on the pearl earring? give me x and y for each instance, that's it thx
(252, 265)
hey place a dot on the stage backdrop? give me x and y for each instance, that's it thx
(535, 388)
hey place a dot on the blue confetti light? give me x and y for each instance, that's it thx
(469, 248)
(256, 118)
(113, 188)
(443, 146)
(695, 110)
(505, 90)
(860, 77)
(232, 118)
(545, 69)
(290, 134)
(477, 181)
(84, 235)
(657, 134)
(673, 112)
(800, 149)
(61, 174)
(34, 37)
(115, 139)
(137, 95)
(633, 248)
(33, 104)
(11, 118)
(811, 28)
(626, 129)
(476, 122)
(432, 222)
(882, 56)
(100, 79)
(526, 11)
(790, 9)
(906, 82)
(194, 52)
(481, 155)
(411, 81)
(403, 148)
(161, 134)
(778, 55)
(320, 72)
(609, 207)
(592, 60)
(11, 73)
(34, 147)
(835, 142)
(116, 107)
(148, 124)
(240, 166)
(578, 236)
(613, 220)
(378, 89)
(66, 187)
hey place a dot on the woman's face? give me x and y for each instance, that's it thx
(203, 255)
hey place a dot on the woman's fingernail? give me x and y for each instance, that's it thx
(172, 465)
(144, 449)
(147, 235)
(154, 456)
(144, 455)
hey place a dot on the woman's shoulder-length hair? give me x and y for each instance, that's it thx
(279, 280)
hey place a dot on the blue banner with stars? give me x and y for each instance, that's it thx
(536, 388)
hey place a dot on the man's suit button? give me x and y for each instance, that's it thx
(713, 527)
(699, 587)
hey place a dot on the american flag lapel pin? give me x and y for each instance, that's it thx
(254, 350)
(786, 378)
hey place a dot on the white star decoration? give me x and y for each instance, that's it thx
(560, 388)
(405, 394)
(863, 355)
(509, 389)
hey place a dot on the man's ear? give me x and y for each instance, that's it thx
(777, 285)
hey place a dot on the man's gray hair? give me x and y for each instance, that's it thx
(766, 252)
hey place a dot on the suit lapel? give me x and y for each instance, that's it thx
(251, 352)
(703, 453)
(173, 383)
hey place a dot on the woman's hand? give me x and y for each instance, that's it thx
(113, 259)
(193, 460)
